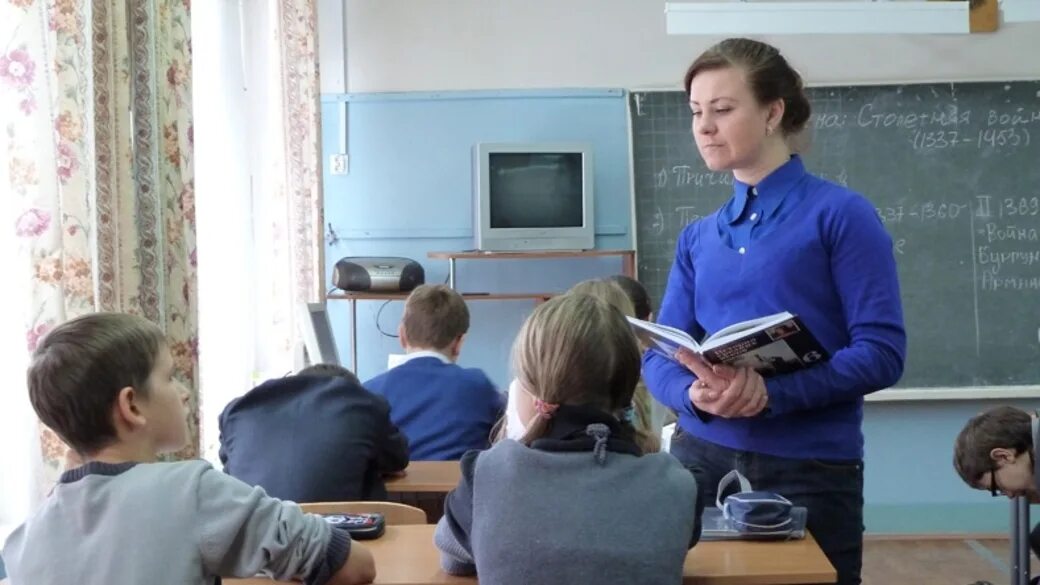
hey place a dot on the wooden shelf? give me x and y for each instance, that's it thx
(628, 267)
(491, 255)
(400, 296)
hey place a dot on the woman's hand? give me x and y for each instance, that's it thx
(725, 391)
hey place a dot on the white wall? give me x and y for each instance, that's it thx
(420, 45)
(331, 48)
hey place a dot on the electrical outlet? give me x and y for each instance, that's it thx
(339, 164)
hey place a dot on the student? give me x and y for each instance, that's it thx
(644, 407)
(658, 415)
(784, 241)
(641, 413)
(443, 409)
(104, 383)
(995, 452)
(318, 436)
(576, 502)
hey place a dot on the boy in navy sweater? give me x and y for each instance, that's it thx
(443, 409)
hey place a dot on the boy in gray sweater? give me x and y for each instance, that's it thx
(104, 383)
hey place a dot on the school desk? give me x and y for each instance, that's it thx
(426, 477)
(405, 555)
(424, 486)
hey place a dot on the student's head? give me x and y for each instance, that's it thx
(435, 318)
(574, 349)
(329, 371)
(607, 291)
(746, 100)
(994, 452)
(106, 379)
(637, 294)
(611, 292)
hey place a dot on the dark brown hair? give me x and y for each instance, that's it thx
(1002, 427)
(329, 371)
(79, 368)
(636, 293)
(434, 316)
(770, 76)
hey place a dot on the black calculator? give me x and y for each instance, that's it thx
(360, 526)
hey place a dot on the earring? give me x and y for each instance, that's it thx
(769, 130)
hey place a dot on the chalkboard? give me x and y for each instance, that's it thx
(954, 172)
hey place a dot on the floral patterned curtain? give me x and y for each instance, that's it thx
(95, 104)
(302, 120)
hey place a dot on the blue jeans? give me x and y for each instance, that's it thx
(832, 491)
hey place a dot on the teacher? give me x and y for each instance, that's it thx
(784, 241)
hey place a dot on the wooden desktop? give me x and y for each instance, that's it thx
(406, 555)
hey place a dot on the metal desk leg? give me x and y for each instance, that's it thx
(1023, 539)
(353, 335)
(451, 273)
(1020, 572)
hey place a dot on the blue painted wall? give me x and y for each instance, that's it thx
(408, 192)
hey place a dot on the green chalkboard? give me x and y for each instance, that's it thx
(954, 172)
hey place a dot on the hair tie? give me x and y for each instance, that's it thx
(628, 414)
(546, 409)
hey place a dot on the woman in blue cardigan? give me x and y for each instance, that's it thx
(785, 241)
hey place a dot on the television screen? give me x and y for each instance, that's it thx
(535, 190)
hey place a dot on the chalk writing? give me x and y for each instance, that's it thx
(922, 212)
(1020, 117)
(950, 115)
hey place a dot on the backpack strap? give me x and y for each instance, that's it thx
(732, 476)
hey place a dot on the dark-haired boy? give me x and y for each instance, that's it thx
(105, 384)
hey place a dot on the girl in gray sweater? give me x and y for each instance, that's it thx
(575, 500)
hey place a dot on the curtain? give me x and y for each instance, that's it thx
(99, 185)
(259, 185)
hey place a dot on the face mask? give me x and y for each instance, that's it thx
(515, 428)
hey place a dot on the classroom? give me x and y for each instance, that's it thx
(264, 184)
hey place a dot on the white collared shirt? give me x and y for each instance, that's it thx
(424, 353)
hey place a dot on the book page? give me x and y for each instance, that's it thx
(737, 330)
(663, 338)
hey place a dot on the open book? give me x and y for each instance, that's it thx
(772, 345)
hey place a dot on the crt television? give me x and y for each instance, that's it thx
(533, 196)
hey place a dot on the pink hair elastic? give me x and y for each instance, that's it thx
(544, 408)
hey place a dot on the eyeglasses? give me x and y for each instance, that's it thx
(994, 490)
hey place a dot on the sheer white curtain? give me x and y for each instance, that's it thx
(17, 421)
(248, 258)
(19, 456)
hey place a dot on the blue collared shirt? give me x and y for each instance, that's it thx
(807, 246)
(754, 210)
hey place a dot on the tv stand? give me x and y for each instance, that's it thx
(628, 258)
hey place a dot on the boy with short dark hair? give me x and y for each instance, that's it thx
(443, 409)
(995, 452)
(104, 383)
